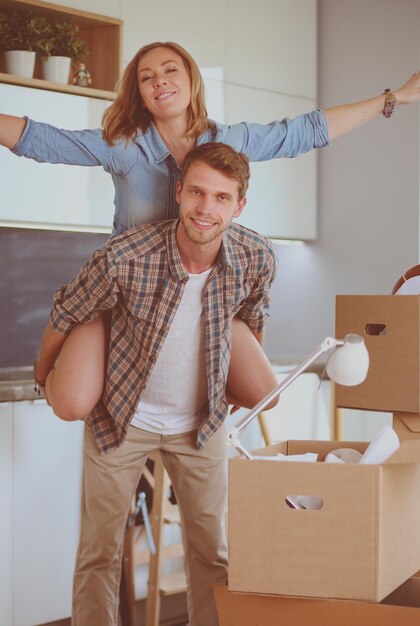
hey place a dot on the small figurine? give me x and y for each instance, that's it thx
(82, 76)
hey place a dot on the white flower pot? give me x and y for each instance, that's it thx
(20, 62)
(56, 69)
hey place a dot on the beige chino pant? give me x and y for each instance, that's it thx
(199, 479)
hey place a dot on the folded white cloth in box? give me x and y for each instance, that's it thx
(307, 457)
(382, 446)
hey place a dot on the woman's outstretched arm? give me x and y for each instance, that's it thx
(346, 117)
(11, 129)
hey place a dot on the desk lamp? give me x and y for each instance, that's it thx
(347, 364)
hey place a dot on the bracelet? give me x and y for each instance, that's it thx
(389, 104)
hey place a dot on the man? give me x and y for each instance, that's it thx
(173, 288)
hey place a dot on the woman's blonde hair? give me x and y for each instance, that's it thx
(127, 114)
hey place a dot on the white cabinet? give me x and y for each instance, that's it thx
(271, 45)
(50, 193)
(40, 485)
(6, 514)
(182, 22)
(271, 73)
(281, 200)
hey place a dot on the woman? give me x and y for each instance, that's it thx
(158, 116)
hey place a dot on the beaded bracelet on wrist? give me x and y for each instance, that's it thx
(389, 104)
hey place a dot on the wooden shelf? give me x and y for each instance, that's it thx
(103, 36)
(39, 83)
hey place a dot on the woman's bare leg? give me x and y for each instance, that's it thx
(75, 385)
(250, 376)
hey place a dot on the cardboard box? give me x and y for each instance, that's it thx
(390, 326)
(406, 425)
(362, 544)
(244, 609)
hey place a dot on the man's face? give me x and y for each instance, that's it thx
(208, 202)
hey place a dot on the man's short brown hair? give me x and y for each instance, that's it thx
(223, 158)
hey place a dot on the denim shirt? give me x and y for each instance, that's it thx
(144, 171)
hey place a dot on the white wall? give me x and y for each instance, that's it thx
(368, 231)
(368, 185)
(89, 196)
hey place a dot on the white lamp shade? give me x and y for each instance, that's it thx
(348, 364)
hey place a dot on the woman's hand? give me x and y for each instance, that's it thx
(346, 117)
(410, 91)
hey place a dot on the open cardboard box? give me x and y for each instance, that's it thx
(406, 425)
(390, 326)
(245, 609)
(362, 544)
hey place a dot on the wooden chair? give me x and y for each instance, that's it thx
(163, 512)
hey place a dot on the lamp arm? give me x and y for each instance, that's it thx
(328, 344)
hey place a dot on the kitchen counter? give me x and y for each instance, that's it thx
(17, 383)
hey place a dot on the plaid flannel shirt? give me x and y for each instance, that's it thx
(140, 277)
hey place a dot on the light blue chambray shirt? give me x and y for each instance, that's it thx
(145, 172)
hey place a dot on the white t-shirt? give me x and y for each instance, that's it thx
(176, 395)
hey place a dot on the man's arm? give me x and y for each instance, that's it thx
(11, 129)
(91, 291)
(49, 350)
(254, 310)
(345, 118)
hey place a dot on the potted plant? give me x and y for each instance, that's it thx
(21, 35)
(60, 46)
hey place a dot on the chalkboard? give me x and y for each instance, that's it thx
(34, 263)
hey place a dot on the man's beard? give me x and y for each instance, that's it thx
(202, 236)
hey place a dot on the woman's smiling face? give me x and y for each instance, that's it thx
(164, 83)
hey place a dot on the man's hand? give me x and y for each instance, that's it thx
(51, 345)
(41, 381)
(43, 391)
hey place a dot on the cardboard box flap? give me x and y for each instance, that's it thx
(272, 450)
(408, 452)
(303, 446)
(411, 421)
(391, 330)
